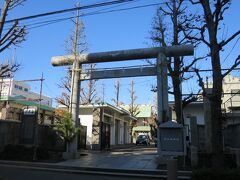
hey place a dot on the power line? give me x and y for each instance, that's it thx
(52, 92)
(45, 23)
(27, 80)
(231, 50)
(67, 18)
(53, 21)
(69, 10)
(210, 70)
(200, 94)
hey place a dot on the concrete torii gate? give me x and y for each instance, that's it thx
(133, 54)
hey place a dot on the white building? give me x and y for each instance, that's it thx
(230, 100)
(107, 125)
(231, 88)
(231, 92)
(11, 87)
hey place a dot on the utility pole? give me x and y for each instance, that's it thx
(38, 121)
(40, 99)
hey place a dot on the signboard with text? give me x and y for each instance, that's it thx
(28, 126)
(171, 138)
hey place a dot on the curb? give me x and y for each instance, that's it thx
(93, 170)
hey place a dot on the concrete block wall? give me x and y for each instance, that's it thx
(9, 132)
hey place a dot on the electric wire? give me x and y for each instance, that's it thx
(48, 22)
(68, 10)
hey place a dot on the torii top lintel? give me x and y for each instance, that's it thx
(132, 54)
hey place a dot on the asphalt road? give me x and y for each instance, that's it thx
(20, 173)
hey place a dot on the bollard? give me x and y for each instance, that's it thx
(172, 169)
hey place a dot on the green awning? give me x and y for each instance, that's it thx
(145, 111)
(142, 128)
(16, 99)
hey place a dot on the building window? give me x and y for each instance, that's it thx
(18, 87)
(26, 89)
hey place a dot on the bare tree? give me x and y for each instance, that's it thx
(103, 92)
(65, 85)
(115, 100)
(75, 45)
(89, 93)
(7, 68)
(133, 107)
(13, 35)
(208, 33)
(167, 32)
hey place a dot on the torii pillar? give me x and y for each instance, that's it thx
(161, 53)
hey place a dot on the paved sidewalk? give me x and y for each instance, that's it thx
(130, 162)
(133, 158)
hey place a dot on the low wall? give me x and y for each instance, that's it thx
(49, 139)
(232, 135)
(9, 132)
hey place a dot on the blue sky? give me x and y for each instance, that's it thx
(104, 32)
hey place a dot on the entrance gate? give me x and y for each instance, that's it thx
(105, 136)
(161, 53)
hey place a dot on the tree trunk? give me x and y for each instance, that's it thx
(217, 138)
(177, 68)
(3, 15)
(216, 96)
(67, 146)
(177, 98)
(216, 111)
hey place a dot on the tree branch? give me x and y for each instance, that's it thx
(236, 63)
(200, 81)
(224, 42)
(186, 68)
(189, 99)
(195, 2)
